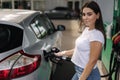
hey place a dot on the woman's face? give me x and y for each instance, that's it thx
(89, 17)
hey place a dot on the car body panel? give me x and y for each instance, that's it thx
(15, 15)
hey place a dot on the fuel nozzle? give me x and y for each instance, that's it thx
(55, 50)
(50, 55)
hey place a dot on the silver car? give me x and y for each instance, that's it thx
(24, 36)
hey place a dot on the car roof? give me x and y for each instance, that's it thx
(15, 15)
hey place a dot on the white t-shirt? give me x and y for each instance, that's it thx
(82, 46)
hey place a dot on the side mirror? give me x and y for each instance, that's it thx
(60, 28)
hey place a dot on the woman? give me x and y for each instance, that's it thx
(88, 45)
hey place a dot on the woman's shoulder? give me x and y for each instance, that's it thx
(97, 35)
(96, 32)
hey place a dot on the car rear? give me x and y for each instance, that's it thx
(15, 64)
(23, 37)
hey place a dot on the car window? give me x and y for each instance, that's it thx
(41, 26)
(48, 24)
(10, 37)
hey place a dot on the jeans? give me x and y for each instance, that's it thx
(94, 75)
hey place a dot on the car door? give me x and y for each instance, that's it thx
(46, 38)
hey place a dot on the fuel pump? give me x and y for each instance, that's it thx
(114, 67)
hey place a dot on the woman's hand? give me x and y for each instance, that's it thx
(67, 53)
(62, 53)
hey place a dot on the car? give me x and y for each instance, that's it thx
(24, 37)
(61, 13)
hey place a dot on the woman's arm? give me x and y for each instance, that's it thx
(68, 53)
(95, 50)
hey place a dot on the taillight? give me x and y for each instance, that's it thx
(25, 65)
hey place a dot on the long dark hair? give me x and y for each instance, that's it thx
(99, 22)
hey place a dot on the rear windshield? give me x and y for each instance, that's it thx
(10, 37)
